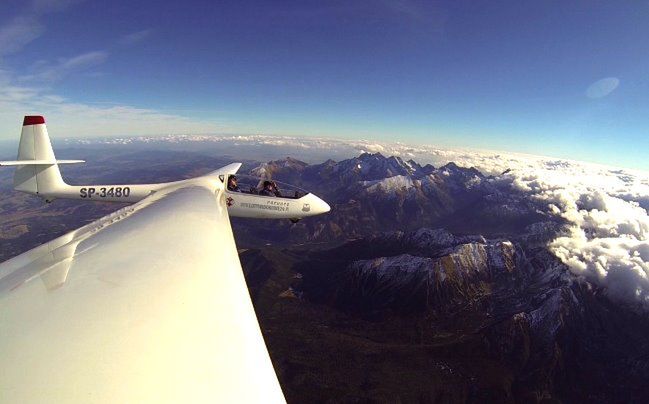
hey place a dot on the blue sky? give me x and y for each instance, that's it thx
(564, 79)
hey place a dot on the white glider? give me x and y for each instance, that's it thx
(147, 304)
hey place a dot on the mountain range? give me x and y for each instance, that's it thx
(371, 194)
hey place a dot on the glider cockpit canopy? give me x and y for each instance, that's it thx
(253, 185)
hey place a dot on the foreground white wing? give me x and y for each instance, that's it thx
(148, 304)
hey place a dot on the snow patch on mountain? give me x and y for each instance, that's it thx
(391, 184)
(432, 239)
(396, 266)
(462, 263)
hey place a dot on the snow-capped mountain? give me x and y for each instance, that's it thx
(420, 270)
(372, 194)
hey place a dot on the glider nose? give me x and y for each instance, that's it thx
(316, 206)
(324, 206)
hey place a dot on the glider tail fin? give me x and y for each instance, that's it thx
(37, 170)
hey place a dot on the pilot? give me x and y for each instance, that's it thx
(232, 184)
(270, 189)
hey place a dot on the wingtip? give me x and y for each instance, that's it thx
(33, 120)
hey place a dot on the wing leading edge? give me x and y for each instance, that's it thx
(148, 304)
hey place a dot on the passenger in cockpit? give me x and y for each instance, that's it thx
(232, 184)
(270, 189)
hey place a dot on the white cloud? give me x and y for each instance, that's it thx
(18, 33)
(27, 26)
(602, 88)
(371, 147)
(50, 72)
(135, 37)
(78, 119)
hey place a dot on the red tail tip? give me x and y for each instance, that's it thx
(33, 120)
